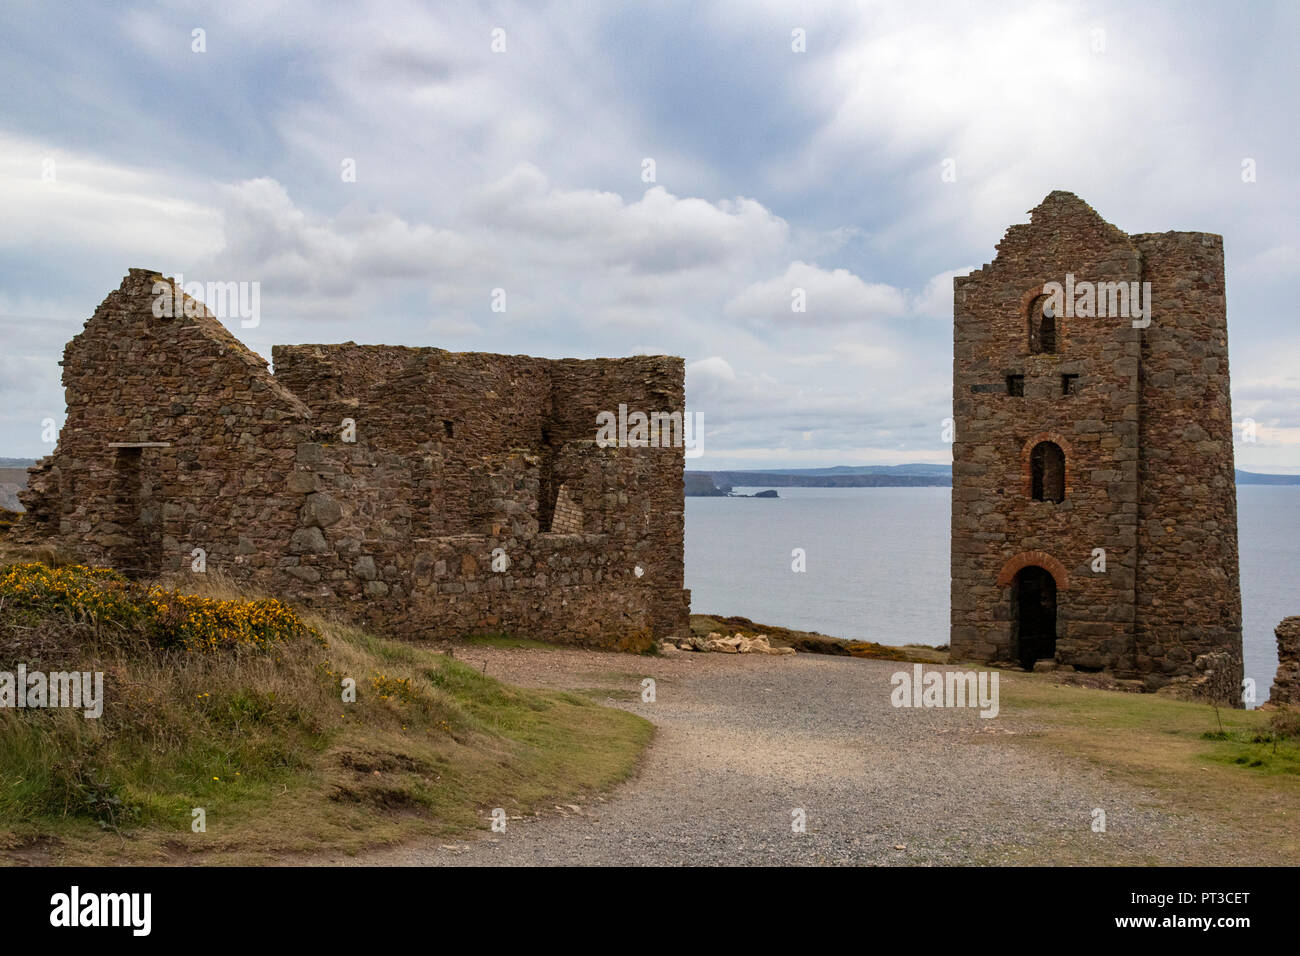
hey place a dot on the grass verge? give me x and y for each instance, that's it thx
(257, 736)
(1245, 776)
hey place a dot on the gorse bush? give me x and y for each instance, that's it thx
(392, 688)
(95, 596)
(191, 622)
(110, 603)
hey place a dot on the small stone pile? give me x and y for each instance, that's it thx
(736, 644)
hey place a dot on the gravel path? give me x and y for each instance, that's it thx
(743, 741)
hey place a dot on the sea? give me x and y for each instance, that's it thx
(876, 563)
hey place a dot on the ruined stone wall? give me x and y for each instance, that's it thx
(1189, 598)
(476, 453)
(1114, 423)
(422, 491)
(1286, 684)
(458, 416)
(218, 433)
(653, 514)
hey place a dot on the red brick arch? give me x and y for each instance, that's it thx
(1027, 450)
(1040, 559)
(1032, 293)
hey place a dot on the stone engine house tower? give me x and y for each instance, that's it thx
(1094, 512)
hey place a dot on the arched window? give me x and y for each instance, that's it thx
(1042, 326)
(1047, 472)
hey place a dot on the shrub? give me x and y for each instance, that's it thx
(1285, 722)
(110, 604)
(388, 688)
(95, 596)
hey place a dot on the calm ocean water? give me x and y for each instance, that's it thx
(877, 563)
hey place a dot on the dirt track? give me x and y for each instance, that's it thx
(744, 741)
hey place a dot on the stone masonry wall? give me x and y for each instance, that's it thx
(994, 520)
(218, 436)
(1188, 596)
(1286, 685)
(421, 491)
(1139, 448)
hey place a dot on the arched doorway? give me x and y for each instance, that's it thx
(1033, 616)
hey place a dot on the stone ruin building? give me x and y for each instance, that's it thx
(1094, 518)
(427, 492)
(1286, 682)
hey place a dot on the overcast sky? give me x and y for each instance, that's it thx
(524, 170)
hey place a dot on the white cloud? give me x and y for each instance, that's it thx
(709, 376)
(831, 296)
(267, 234)
(935, 300)
(775, 171)
(58, 199)
(659, 232)
(452, 327)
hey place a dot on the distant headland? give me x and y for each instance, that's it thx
(711, 484)
(702, 485)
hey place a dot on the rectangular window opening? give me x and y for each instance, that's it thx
(1016, 385)
(1069, 384)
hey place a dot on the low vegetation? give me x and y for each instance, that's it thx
(1245, 775)
(234, 706)
(810, 642)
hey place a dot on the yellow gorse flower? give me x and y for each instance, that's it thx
(169, 618)
(389, 687)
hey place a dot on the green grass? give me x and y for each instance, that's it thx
(265, 745)
(601, 694)
(1259, 751)
(1245, 776)
(1154, 718)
